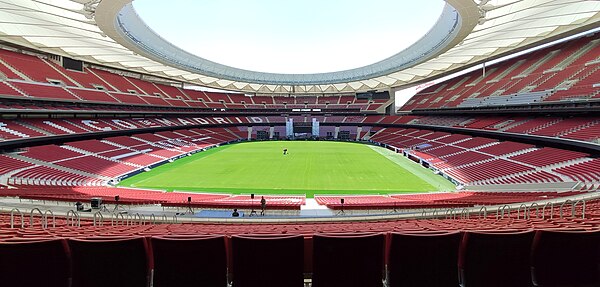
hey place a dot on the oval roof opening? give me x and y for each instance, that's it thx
(291, 37)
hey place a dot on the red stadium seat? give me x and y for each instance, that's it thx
(189, 260)
(110, 261)
(566, 258)
(424, 259)
(348, 260)
(35, 262)
(267, 260)
(496, 259)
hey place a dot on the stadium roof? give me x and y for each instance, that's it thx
(109, 33)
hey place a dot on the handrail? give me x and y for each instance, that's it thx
(165, 218)
(153, 218)
(98, 215)
(561, 207)
(31, 217)
(551, 210)
(524, 211)
(139, 218)
(537, 210)
(573, 213)
(175, 218)
(130, 219)
(449, 211)
(464, 213)
(46, 218)
(72, 215)
(116, 215)
(484, 212)
(503, 208)
(12, 220)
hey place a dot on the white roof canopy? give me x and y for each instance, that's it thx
(109, 33)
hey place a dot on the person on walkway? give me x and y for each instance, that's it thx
(263, 205)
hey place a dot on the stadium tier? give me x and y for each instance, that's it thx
(480, 256)
(33, 77)
(435, 200)
(226, 201)
(466, 159)
(569, 127)
(580, 128)
(476, 161)
(560, 73)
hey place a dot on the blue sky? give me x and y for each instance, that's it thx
(295, 36)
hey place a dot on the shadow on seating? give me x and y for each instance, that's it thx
(34, 262)
(267, 260)
(109, 261)
(424, 259)
(496, 259)
(348, 260)
(566, 258)
(189, 261)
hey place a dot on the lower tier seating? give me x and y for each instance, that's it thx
(94, 162)
(435, 200)
(141, 196)
(475, 161)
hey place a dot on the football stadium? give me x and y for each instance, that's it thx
(467, 157)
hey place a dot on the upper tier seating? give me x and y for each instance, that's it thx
(33, 67)
(46, 91)
(94, 95)
(116, 82)
(38, 77)
(85, 78)
(576, 128)
(566, 71)
(10, 91)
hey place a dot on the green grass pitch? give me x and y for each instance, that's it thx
(311, 167)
